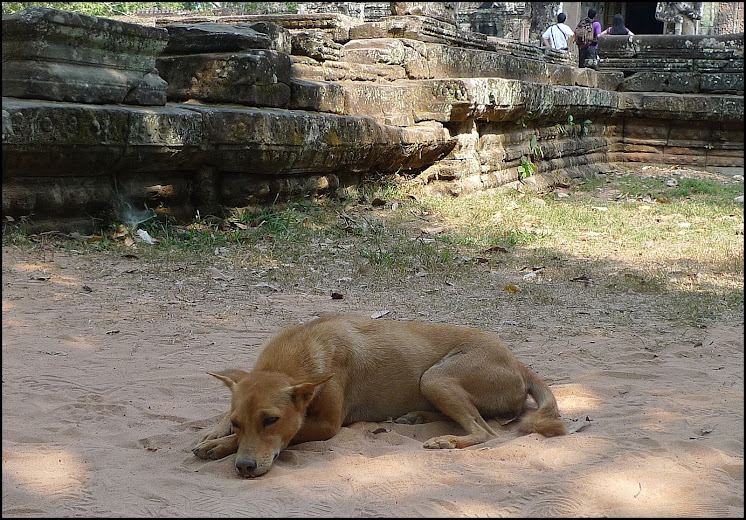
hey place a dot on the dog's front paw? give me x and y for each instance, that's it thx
(212, 435)
(410, 418)
(441, 443)
(214, 449)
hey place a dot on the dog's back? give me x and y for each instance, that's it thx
(378, 364)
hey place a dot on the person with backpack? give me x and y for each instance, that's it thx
(586, 38)
(559, 36)
(617, 27)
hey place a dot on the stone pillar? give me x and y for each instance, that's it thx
(679, 17)
(728, 18)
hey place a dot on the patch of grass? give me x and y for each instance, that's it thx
(680, 258)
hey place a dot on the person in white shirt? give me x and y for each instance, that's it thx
(558, 36)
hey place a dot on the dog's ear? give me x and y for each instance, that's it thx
(302, 394)
(230, 377)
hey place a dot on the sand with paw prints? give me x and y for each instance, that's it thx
(104, 392)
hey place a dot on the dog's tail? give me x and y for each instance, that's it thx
(546, 419)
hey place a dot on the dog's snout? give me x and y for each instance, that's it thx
(245, 466)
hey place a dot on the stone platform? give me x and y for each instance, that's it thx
(262, 107)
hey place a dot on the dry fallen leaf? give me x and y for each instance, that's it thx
(511, 288)
(120, 231)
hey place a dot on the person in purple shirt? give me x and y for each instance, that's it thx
(588, 46)
(618, 27)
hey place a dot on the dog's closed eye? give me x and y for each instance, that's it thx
(234, 425)
(269, 421)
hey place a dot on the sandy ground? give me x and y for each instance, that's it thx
(104, 392)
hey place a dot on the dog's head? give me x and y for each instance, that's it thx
(267, 410)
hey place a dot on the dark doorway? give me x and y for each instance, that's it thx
(640, 18)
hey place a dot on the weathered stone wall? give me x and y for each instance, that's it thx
(51, 54)
(269, 106)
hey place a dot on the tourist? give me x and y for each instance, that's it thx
(617, 27)
(558, 36)
(586, 38)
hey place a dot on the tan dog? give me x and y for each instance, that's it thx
(314, 378)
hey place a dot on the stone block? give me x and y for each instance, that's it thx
(683, 157)
(284, 142)
(643, 157)
(207, 37)
(421, 28)
(727, 136)
(240, 189)
(317, 96)
(280, 38)
(46, 138)
(443, 11)
(336, 24)
(64, 56)
(59, 196)
(645, 82)
(676, 82)
(717, 159)
(253, 77)
(411, 55)
(689, 136)
(483, 99)
(646, 132)
(304, 68)
(724, 83)
(451, 62)
(688, 47)
(696, 107)
(315, 44)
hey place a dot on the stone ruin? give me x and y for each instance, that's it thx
(194, 114)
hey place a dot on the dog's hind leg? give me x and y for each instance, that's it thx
(462, 384)
(455, 402)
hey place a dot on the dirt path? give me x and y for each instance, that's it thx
(104, 392)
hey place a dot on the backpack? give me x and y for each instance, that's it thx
(584, 33)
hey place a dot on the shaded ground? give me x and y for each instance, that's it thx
(104, 392)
